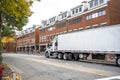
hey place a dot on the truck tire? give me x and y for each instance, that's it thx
(60, 55)
(55, 55)
(70, 56)
(65, 56)
(81, 56)
(118, 61)
(47, 55)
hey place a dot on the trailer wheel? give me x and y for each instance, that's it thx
(81, 56)
(65, 56)
(47, 55)
(118, 61)
(70, 56)
(60, 56)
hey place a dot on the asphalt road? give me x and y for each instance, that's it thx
(36, 67)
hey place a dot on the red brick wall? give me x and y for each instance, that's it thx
(114, 12)
(37, 36)
(10, 47)
(23, 38)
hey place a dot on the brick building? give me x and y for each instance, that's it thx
(10, 46)
(26, 41)
(87, 15)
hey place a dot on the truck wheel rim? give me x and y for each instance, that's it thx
(59, 56)
(65, 57)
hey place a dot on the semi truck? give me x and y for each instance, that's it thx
(101, 44)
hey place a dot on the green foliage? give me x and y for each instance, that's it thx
(7, 31)
(15, 13)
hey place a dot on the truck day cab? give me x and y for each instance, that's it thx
(101, 43)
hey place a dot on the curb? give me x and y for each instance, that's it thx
(15, 75)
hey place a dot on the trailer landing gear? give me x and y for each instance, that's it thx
(76, 57)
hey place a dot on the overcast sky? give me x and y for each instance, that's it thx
(48, 8)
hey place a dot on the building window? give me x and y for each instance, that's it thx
(87, 27)
(64, 15)
(101, 1)
(61, 25)
(51, 28)
(96, 2)
(88, 17)
(103, 13)
(52, 19)
(100, 13)
(104, 24)
(43, 39)
(95, 26)
(91, 4)
(42, 30)
(76, 10)
(79, 19)
(81, 28)
(75, 21)
(73, 12)
(80, 9)
(95, 15)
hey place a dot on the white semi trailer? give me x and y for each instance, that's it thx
(92, 44)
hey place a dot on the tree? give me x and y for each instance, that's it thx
(13, 16)
(6, 40)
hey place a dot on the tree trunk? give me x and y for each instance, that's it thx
(0, 38)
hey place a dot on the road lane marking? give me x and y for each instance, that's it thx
(110, 78)
(15, 69)
(81, 69)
